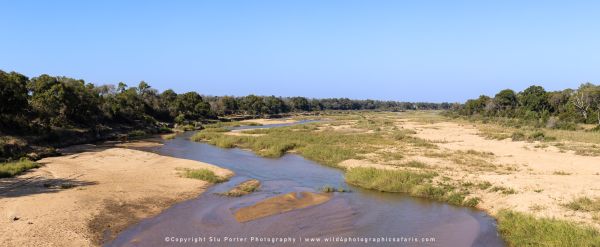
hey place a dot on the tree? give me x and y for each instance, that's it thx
(192, 107)
(229, 105)
(559, 100)
(13, 93)
(316, 105)
(252, 104)
(274, 105)
(535, 99)
(582, 99)
(505, 101)
(63, 101)
(167, 101)
(143, 88)
(476, 106)
(299, 104)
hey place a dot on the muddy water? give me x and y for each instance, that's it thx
(358, 217)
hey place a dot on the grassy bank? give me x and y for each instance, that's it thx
(418, 184)
(11, 169)
(520, 229)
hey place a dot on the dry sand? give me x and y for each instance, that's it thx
(74, 200)
(533, 175)
(280, 204)
(540, 190)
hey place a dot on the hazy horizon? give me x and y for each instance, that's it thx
(385, 50)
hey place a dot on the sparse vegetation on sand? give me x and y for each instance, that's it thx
(13, 168)
(243, 188)
(585, 204)
(203, 174)
(519, 229)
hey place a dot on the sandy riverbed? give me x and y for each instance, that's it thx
(74, 200)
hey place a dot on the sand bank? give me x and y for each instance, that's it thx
(280, 204)
(85, 198)
(544, 179)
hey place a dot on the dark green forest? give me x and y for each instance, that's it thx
(556, 109)
(58, 111)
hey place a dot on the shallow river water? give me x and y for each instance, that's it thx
(358, 218)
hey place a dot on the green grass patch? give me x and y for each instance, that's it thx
(520, 229)
(388, 180)
(203, 174)
(418, 184)
(14, 168)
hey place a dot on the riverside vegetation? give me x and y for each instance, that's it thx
(46, 112)
(387, 152)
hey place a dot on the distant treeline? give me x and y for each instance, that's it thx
(40, 103)
(557, 109)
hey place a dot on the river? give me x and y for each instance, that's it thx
(359, 218)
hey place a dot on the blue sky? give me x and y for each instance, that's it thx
(394, 50)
